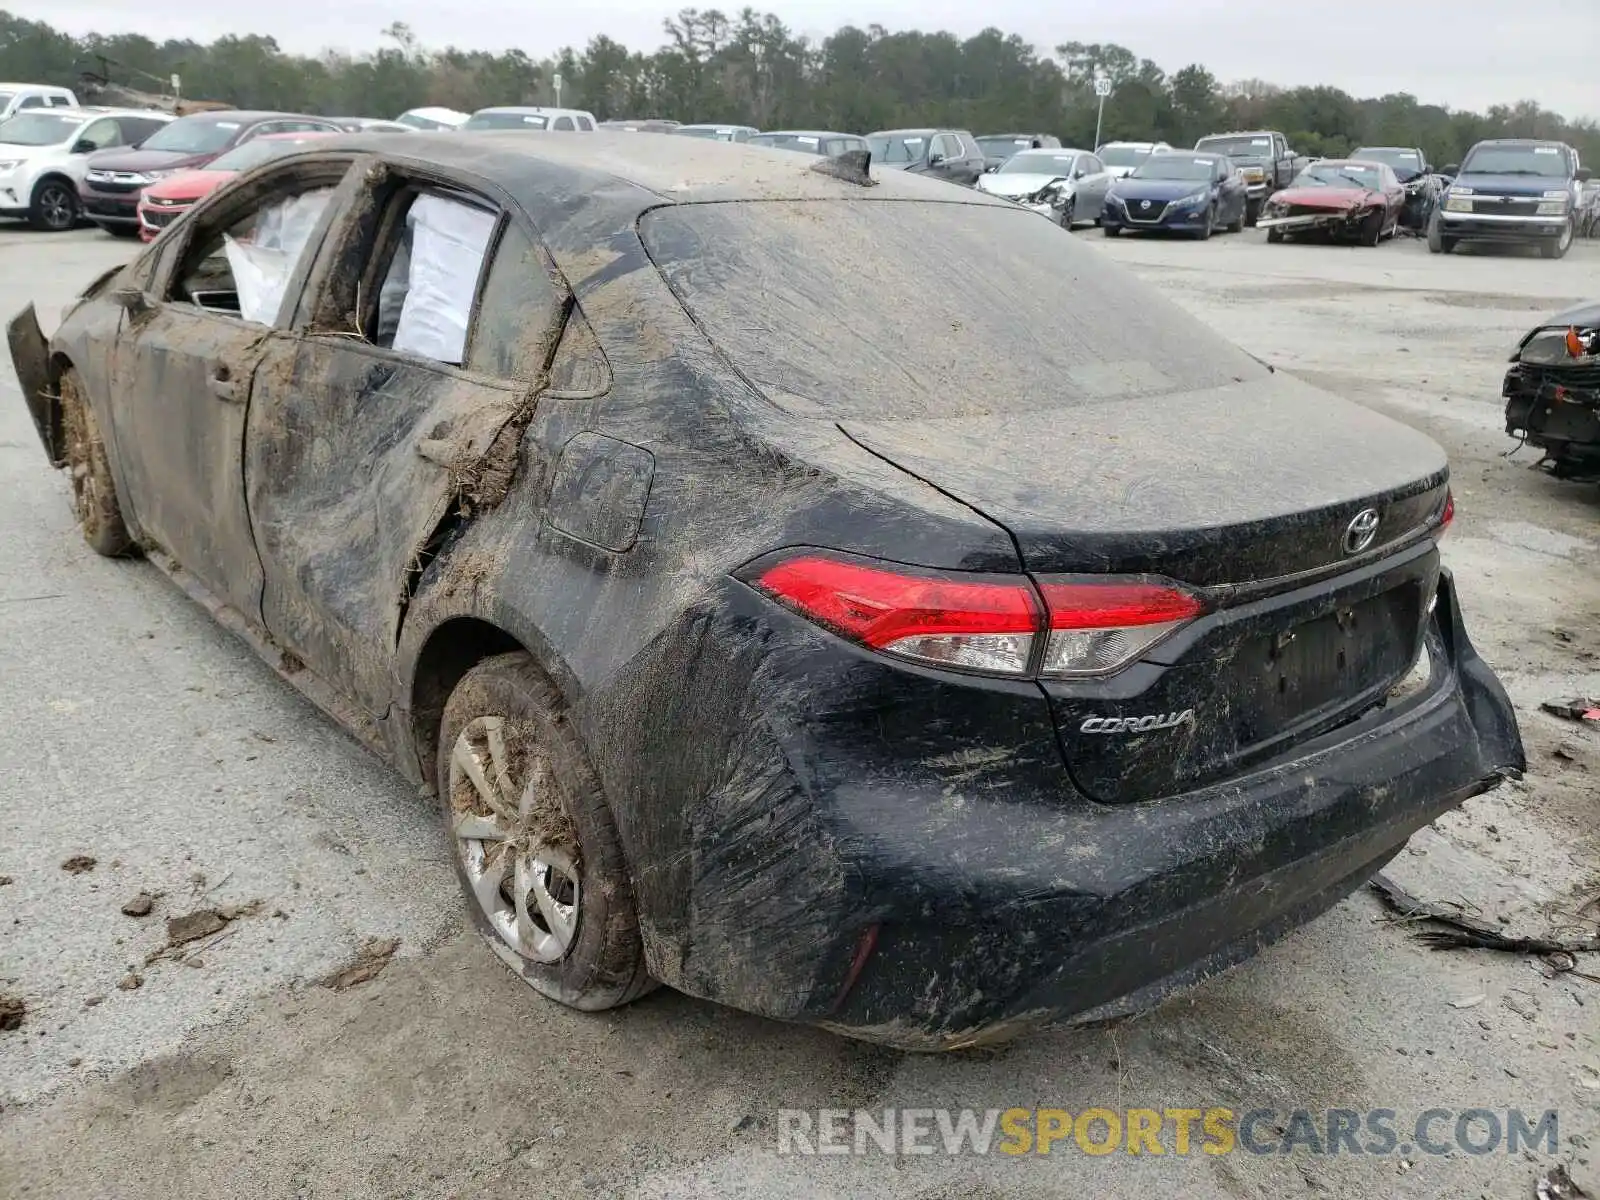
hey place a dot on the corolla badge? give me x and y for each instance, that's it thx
(1145, 724)
(1361, 531)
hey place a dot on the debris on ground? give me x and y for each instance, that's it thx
(370, 962)
(191, 927)
(5, 879)
(1466, 931)
(1556, 1184)
(131, 981)
(79, 864)
(140, 905)
(1469, 1001)
(1581, 709)
(12, 1010)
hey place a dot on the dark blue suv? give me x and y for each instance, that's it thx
(1511, 190)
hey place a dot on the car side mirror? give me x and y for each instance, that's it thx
(1584, 174)
(935, 160)
(1451, 169)
(131, 300)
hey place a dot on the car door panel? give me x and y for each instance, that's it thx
(182, 376)
(356, 458)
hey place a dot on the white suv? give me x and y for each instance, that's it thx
(1122, 157)
(18, 97)
(557, 120)
(44, 154)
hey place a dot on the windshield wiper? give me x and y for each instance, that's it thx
(1517, 171)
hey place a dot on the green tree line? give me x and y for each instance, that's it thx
(751, 68)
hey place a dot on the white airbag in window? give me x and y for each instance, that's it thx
(262, 266)
(448, 243)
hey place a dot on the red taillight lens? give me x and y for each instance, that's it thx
(1448, 513)
(985, 624)
(1096, 628)
(978, 626)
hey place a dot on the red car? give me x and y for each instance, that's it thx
(1342, 198)
(163, 203)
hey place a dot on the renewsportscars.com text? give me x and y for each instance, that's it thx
(1175, 1131)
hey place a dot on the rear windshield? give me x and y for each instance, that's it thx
(188, 136)
(841, 305)
(1548, 161)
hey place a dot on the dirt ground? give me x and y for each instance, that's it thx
(140, 736)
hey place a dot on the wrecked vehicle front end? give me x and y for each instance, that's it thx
(1552, 393)
(1337, 219)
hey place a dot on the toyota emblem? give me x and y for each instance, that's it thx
(1361, 531)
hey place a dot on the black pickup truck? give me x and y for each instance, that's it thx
(1264, 158)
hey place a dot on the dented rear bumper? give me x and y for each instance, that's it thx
(30, 356)
(963, 914)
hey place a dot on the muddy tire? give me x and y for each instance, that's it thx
(535, 844)
(53, 206)
(94, 492)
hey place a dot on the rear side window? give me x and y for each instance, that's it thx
(586, 124)
(564, 123)
(864, 324)
(518, 313)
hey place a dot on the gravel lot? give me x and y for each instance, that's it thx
(139, 734)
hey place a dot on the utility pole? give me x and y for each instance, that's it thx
(1102, 88)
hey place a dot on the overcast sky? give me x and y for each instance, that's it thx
(1463, 53)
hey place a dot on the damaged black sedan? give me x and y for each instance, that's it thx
(772, 619)
(1552, 392)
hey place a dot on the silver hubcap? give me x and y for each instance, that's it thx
(515, 840)
(56, 207)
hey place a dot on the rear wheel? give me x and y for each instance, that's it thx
(536, 847)
(94, 492)
(1237, 224)
(54, 207)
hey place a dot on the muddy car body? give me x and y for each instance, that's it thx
(752, 648)
(1552, 391)
(1337, 198)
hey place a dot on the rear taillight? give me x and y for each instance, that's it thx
(1100, 627)
(1447, 513)
(979, 625)
(991, 624)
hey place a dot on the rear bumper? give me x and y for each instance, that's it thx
(862, 895)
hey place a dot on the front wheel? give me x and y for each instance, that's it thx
(1111, 230)
(1438, 241)
(94, 491)
(122, 231)
(54, 207)
(1237, 224)
(1252, 210)
(1274, 235)
(1557, 247)
(536, 847)
(1372, 227)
